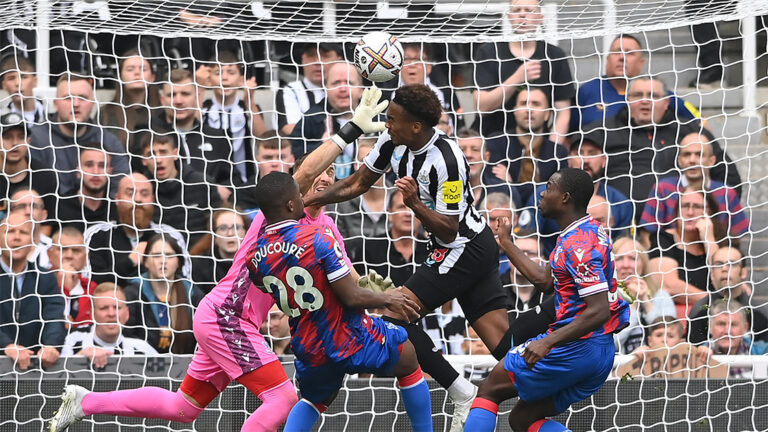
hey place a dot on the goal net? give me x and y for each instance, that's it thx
(708, 59)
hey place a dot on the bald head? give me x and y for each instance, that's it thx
(600, 210)
(135, 201)
(344, 87)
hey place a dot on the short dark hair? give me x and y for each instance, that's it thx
(627, 36)
(425, 48)
(271, 191)
(271, 139)
(158, 137)
(578, 184)
(225, 57)
(13, 62)
(73, 77)
(466, 132)
(420, 102)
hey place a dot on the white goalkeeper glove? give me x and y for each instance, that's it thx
(362, 120)
(375, 282)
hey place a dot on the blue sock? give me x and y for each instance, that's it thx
(481, 420)
(303, 416)
(418, 404)
(545, 425)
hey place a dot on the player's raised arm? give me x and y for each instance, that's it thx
(353, 296)
(539, 276)
(346, 189)
(361, 123)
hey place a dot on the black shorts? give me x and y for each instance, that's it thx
(469, 273)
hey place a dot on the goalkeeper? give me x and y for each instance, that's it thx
(219, 360)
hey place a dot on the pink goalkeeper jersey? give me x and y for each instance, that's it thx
(237, 294)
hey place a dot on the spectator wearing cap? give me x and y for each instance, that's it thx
(19, 80)
(603, 97)
(295, 98)
(587, 155)
(17, 171)
(55, 144)
(641, 142)
(695, 160)
(88, 203)
(31, 305)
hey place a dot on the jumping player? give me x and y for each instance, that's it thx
(303, 269)
(229, 347)
(463, 258)
(573, 358)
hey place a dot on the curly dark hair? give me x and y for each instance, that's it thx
(420, 102)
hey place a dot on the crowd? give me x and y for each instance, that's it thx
(118, 218)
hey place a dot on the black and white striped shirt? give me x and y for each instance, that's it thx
(77, 341)
(442, 173)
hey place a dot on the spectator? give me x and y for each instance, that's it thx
(397, 256)
(31, 306)
(294, 99)
(482, 181)
(240, 119)
(600, 211)
(446, 326)
(695, 160)
(105, 339)
(88, 203)
(28, 203)
(641, 142)
(19, 79)
(55, 144)
(345, 87)
(272, 154)
(417, 67)
(136, 96)
(161, 300)
(17, 171)
(445, 125)
(229, 228)
(68, 257)
(499, 205)
(186, 200)
(116, 249)
(679, 255)
(586, 155)
(521, 294)
(278, 331)
(534, 64)
(365, 217)
(631, 262)
(603, 97)
(201, 147)
(729, 334)
(728, 272)
(665, 333)
(528, 154)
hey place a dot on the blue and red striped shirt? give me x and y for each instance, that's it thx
(582, 265)
(296, 265)
(661, 208)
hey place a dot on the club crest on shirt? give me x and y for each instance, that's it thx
(423, 177)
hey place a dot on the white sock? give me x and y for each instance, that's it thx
(461, 389)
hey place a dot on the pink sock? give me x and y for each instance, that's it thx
(277, 404)
(147, 402)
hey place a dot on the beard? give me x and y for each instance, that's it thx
(138, 216)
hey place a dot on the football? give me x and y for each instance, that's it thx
(379, 56)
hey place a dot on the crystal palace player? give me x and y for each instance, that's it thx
(463, 257)
(573, 358)
(230, 347)
(303, 269)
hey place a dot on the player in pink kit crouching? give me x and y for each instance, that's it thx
(226, 326)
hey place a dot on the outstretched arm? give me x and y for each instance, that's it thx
(353, 296)
(362, 122)
(344, 190)
(539, 276)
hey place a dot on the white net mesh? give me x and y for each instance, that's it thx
(716, 76)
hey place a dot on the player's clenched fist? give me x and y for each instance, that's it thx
(410, 190)
(535, 351)
(403, 305)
